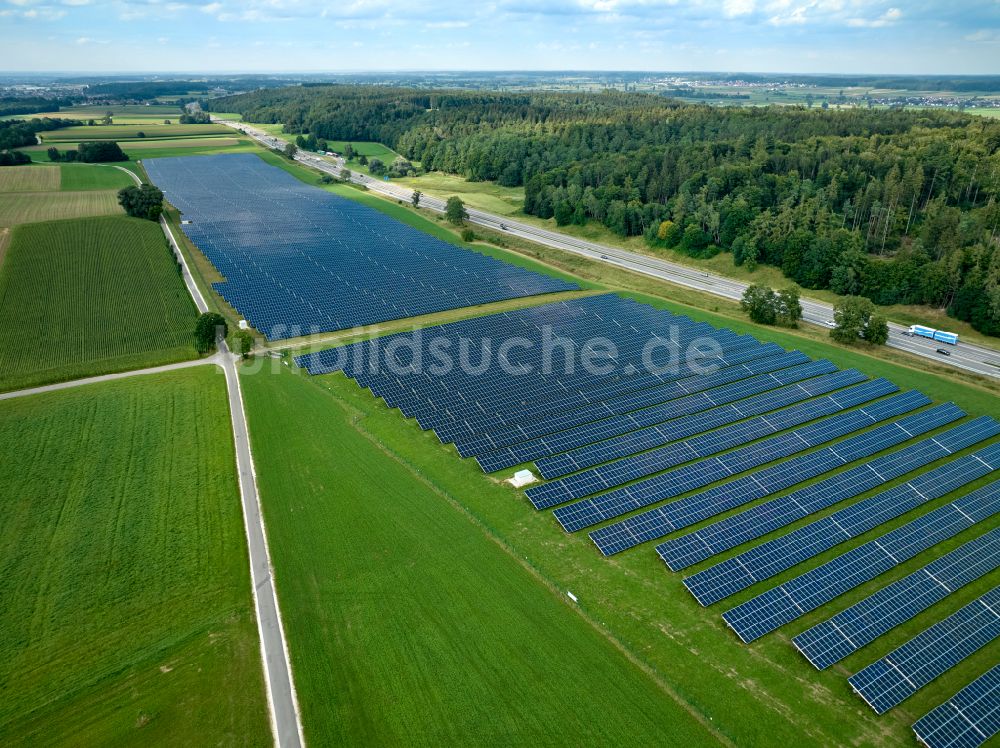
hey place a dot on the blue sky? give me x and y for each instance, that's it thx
(850, 36)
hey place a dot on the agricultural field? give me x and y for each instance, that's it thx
(33, 207)
(87, 297)
(129, 132)
(215, 142)
(417, 628)
(127, 616)
(29, 179)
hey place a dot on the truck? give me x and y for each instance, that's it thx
(951, 338)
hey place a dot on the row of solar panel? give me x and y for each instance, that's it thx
(968, 719)
(681, 552)
(893, 678)
(660, 521)
(711, 443)
(298, 257)
(653, 490)
(786, 602)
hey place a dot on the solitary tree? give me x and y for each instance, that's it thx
(348, 152)
(362, 159)
(415, 198)
(209, 328)
(290, 151)
(142, 202)
(376, 166)
(53, 153)
(454, 211)
(855, 318)
(759, 302)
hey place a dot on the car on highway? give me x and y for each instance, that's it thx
(604, 257)
(943, 352)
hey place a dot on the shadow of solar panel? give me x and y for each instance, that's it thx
(904, 671)
(300, 260)
(968, 719)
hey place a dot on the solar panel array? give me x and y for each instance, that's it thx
(808, 591)
(299, 260)
(901, 673)
(681, 552)
(659, 452)
(832, 640)
(693, 509)
(966, 720)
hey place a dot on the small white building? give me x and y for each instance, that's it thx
(244, 325)
(522, 478)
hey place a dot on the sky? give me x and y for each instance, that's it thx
(800, 36)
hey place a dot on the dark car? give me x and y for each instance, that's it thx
(943, 352)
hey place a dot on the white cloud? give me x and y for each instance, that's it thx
(984, 36)
(888, 18)
(734, 8)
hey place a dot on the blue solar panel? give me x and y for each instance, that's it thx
(674, 420)
(299, 260)
(832, 640)
(786, 602)
(904, 671)
(688, 511)
(679, 553)
(966, 720)
(704, 445)
(722, 408)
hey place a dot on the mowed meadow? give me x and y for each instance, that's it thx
(91, 296)
(407, 623)
(127, 616)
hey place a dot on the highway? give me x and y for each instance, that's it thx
(974, 358)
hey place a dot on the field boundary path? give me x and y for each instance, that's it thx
(978, 359)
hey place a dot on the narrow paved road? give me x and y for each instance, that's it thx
(216, 359)
(981, 360)
(282, 699)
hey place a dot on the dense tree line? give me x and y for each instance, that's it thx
(29, 104)
(896, 206)
(17, 133)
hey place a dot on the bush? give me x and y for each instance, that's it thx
(468, 235)
(14, 158)
(241, 342)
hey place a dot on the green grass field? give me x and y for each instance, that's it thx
(406, 623)
(86, 297)
(504, 201)
(129, 132)
(127, 616)
(212, 142)
(77, 177)
(33, 207)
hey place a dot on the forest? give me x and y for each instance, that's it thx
(899, 206)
